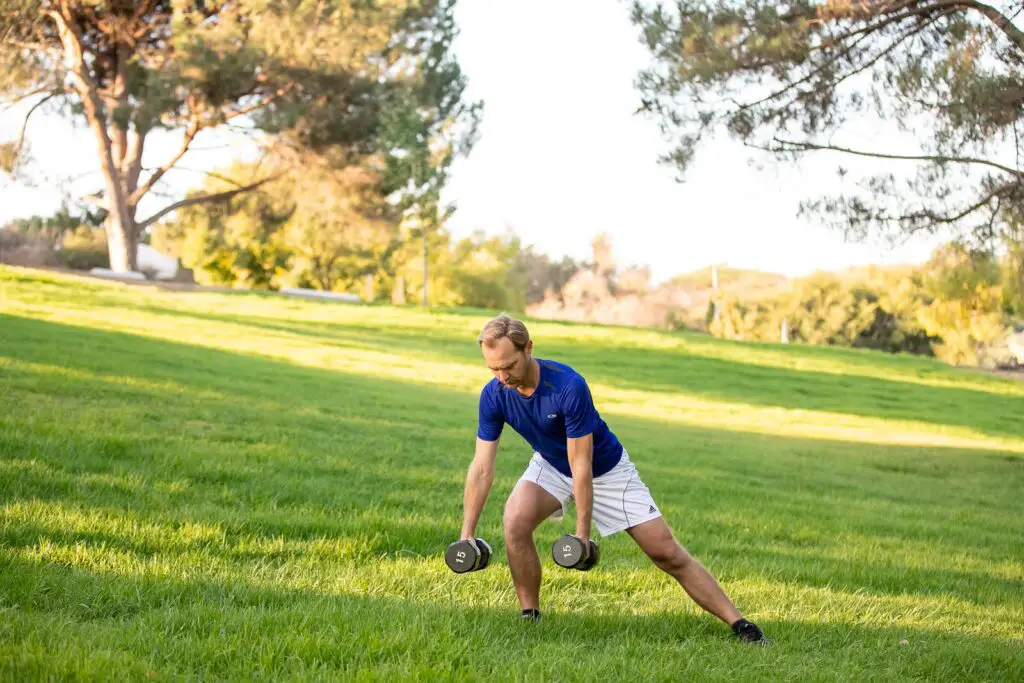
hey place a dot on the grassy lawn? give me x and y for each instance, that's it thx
(245, 486)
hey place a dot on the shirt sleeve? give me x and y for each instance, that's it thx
(578, 408)
(491, 418)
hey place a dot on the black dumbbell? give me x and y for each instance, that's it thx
(462, 557)
(568, 552)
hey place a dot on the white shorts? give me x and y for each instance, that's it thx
(621, 499)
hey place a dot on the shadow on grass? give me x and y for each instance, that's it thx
(674, 370)
(263, 450)
(217, 626)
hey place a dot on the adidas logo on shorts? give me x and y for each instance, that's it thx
(653, 509)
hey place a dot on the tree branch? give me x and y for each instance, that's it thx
(210, 174)
(263, 102)
(227, 194)
(837, 81)
(119, 99)
(24, 124)
(34, 46)
(1001, 21)
(136, 144)
(867, 10)
(71, 37)
(143, 9)
(796, 146)
(193, 129)
(7, 104)
(994, 194)
(190, 134)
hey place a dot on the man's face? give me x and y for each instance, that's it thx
(508, 365)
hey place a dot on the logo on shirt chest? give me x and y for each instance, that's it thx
(552, 416)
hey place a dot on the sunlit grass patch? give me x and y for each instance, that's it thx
(202, 486)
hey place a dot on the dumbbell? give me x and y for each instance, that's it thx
(568, 552)
(462, 557)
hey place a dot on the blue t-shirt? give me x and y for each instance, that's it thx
(560, 408)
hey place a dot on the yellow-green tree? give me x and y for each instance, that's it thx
(324, 228)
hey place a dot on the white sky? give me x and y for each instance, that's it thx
(561, 157)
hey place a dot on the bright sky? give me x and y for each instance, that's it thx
(561, 157)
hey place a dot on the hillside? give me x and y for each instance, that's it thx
(199, 485)
(740, 281)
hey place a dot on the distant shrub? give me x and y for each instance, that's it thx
(18, 248)
(954, 307)
(84, 248)
(83, 259)
(874, 311)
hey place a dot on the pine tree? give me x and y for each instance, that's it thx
(785, 78)
(358, 83)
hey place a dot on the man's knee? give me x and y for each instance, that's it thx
(670, 556)
(518, 521)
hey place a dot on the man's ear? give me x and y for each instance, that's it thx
(529, 347)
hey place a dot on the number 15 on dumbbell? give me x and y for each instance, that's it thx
(568, 552)
(464, 556)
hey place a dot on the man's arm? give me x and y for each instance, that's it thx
(581, 462)
(479, 478)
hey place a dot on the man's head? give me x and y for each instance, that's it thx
(507, 349)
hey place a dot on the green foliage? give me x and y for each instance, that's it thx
(232, 243)
(50, 229)
(331, 230)
(954, 307)
(356, 84)
(541, 275)
(84, 248)
(485, 273)
(476, 271)
(340, 228)
(966, 308)
(792, 78)
(738, 279)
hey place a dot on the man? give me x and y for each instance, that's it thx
(576, 457)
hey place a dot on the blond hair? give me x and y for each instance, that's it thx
(501, 327)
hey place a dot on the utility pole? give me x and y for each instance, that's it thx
(714, 290)
(424, 265)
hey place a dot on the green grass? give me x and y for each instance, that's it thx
(244, 486)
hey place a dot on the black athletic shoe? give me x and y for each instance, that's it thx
(748, 632)
(530, 615)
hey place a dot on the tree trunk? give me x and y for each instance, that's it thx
(121, 230)
(122, 235)
(122, 243)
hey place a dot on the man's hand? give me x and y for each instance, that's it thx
(585, 540)
(572, 552)
(472, 542)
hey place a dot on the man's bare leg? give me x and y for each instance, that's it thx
(655, 539)
(526, 508)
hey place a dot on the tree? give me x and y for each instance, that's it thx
(340, 231)
(49, 229)
(485, 272)
(541, 275)
(604, 257)
(324, 228)
(788, 77)
(233, 241)
(634, 280)
(345, 79)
